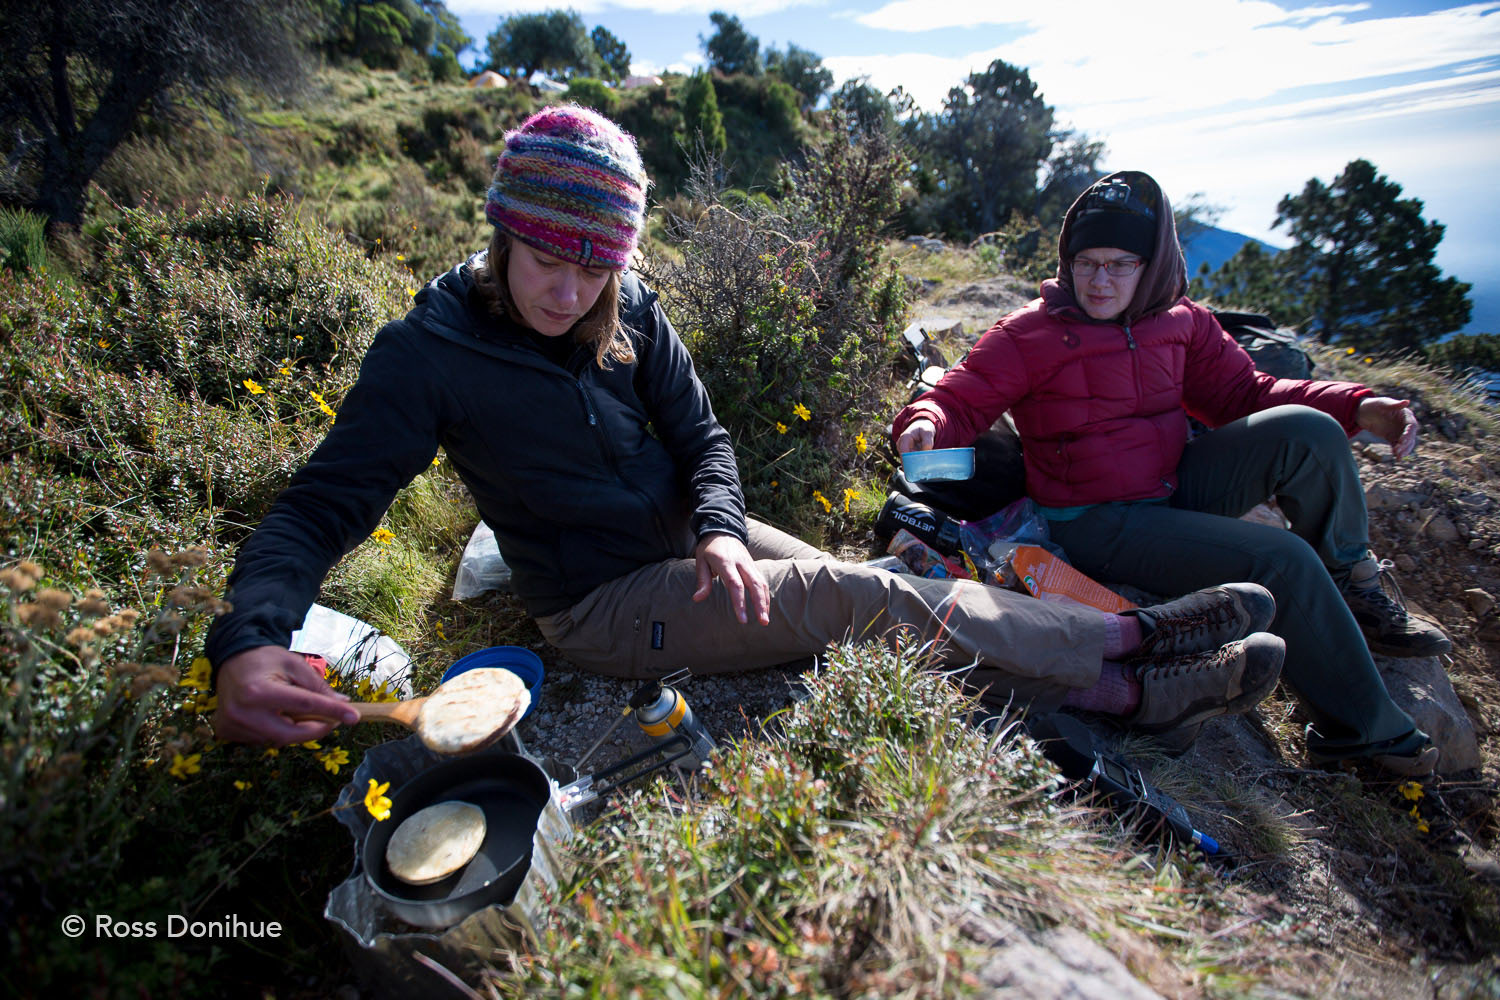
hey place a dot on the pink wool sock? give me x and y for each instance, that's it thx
(1117, 692)
(1122, 636)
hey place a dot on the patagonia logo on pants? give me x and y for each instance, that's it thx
(658, 634)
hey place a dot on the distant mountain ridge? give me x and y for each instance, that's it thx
(1213, 246)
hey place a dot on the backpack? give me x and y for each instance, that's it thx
(1275, 351)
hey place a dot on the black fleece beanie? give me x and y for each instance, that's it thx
(1111, 215)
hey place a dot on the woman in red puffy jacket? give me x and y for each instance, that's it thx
(1100, 375)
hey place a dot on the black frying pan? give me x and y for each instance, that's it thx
(511, 790)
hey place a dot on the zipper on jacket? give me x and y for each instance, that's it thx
(1129, 340)
(614, 465)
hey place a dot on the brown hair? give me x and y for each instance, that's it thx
(599, 328)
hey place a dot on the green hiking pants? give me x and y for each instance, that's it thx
(1301, 457)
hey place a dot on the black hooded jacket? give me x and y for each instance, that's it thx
(585, 474)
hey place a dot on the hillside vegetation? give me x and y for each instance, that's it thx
(168, 365)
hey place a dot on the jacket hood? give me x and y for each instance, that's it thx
(1163, 279)
(443, 303)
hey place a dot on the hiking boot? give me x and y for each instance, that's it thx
(1388, 627)
(1409, 756)
(1204, 620)
(1178, 691)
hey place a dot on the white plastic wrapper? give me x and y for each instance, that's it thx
(357, 648)
(482, 568)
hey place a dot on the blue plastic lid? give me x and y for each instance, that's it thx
(517, 659)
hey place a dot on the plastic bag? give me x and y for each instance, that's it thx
(482, 568)
(989, 540)
(924, 560)
(355, 648)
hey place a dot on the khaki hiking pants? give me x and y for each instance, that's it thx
(645, 624)
(1301, 457)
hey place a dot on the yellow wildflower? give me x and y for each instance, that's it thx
(437, 459)
(1411, 791)
(202, 703)
(401, 256)
(860, 444)
(322, 403)
(104, 344)
(197, 676)
(334, 759)
(243, 786)
(383, 536)
(254, 387)
(781, 428)
(271, 752)
(802, 412)
(818, 496)
(1349, 351)
(184, 766)
(848, 496)
(311, 745)
(411, 292)
(284, 370)
(438, 628)
(1369, 361)
(376, 801)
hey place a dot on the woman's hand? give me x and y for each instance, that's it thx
(1390, 419)
(725, 557)
(918, 436)
(262, 689)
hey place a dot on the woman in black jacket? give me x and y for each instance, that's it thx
(569, 407)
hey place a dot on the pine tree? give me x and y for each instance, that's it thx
(700, 114)
(1361, 271)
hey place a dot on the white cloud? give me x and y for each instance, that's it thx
(688, 62)
(1099, 58)
(741, 9)
(1247, 160)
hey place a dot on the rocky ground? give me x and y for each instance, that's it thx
(1383, 911)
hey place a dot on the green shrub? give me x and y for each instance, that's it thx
(123, 432)
(23, 239)
(591, 93)
(234, 291)
(793, 318)
(443, 65)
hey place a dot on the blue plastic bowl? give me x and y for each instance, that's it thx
(938, 464)
(517, 659)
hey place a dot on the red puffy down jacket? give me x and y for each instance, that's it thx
(1102, 408)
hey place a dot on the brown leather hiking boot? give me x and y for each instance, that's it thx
(1409, 756)
(1204, 620)
(1388, 627)
(1181, 691)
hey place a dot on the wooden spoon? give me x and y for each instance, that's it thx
(466, 713)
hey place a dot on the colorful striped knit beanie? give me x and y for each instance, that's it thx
(569, 183)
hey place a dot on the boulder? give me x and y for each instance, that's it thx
(1479, 600)
(1440, 529)
(1062, 963)
(1421, 687)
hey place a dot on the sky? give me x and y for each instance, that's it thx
(1242, 101)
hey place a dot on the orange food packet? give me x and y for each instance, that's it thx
(1046, 576)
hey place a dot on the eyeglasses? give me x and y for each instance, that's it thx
(1120, 267)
